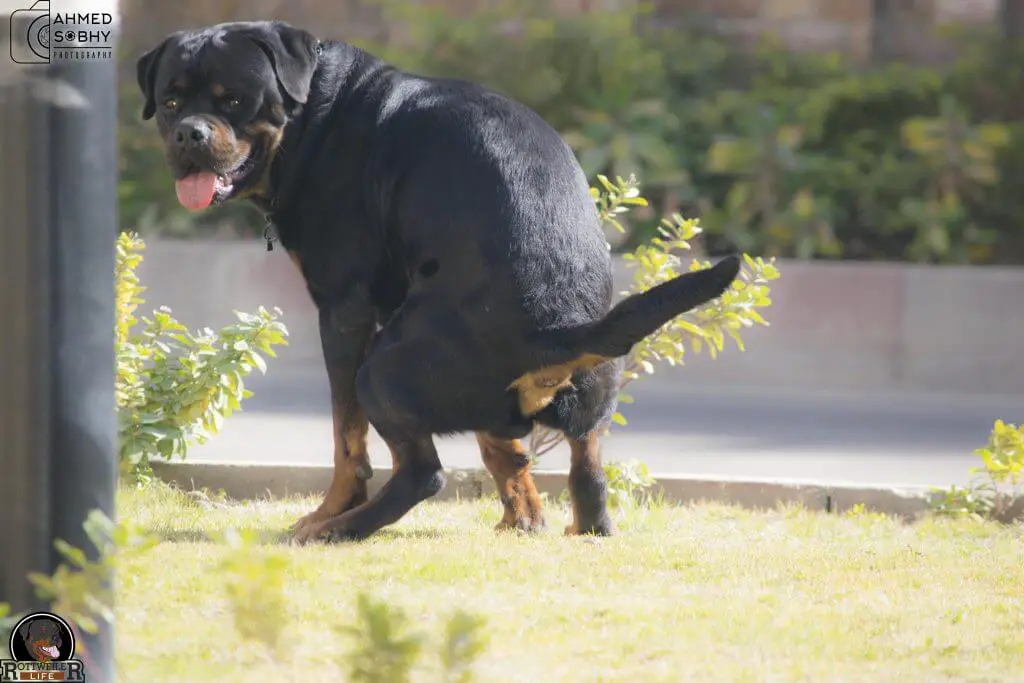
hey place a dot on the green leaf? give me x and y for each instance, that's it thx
(72, 554)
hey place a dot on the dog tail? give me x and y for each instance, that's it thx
(637, 316)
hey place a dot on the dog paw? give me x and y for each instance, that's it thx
(527, 525)
(311, 533)
(312, 519)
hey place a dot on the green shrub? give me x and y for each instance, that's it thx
(173, 385)
(997, 487)
(704, 327)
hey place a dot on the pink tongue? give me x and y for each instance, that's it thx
(195, 191)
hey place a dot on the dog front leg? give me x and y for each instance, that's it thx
(345, 334)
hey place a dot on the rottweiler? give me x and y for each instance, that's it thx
(42, 639)
(449, 241)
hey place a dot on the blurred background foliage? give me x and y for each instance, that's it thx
(780, 153)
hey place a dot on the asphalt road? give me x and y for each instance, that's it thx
(758, 433)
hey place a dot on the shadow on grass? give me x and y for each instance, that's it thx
(265, 536)
(411, 534)
(284, 536)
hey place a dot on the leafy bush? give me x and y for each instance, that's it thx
(174, 385)
(997, 488)
(704, 327)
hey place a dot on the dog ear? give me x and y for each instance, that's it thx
(292, 52)
(145, 72)
(25, 630)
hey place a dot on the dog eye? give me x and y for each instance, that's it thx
(232, 103)
(171, 103)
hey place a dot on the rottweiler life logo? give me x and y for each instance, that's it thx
(42, 649)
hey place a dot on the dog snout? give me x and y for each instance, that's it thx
(193, 133)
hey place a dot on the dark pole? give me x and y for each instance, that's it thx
(83, 206)
(65, 463)
(24, 345)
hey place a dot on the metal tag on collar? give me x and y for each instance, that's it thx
(268, 234)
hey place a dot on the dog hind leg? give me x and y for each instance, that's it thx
(581, 413)
(397, 398)
(509, 464)
(588, 489)
(417, 477)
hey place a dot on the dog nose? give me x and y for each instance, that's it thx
(192, 133)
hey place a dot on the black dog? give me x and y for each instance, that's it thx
(448, 239)
(42, 639)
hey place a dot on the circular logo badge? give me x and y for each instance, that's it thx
(42, 637)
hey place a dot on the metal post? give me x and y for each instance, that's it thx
(24, 356)
(58, 187)
(83, 210)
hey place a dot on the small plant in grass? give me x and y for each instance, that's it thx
(80, 589)
(997, 486)
(254, 580)
(464, 642)
(703, 328)
(628, 483)
(174, 385)
(387, 649)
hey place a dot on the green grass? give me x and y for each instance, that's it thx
(681, 594)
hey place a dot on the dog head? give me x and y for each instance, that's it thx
(42, 639)
(222, 97)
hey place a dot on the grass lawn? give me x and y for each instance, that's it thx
(681, 594)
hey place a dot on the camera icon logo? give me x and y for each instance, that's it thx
(30, 34)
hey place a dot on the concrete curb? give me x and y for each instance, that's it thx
(244, 481)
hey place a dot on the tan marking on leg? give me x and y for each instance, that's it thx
(509, 464)
(351, 470)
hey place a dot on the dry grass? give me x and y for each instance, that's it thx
(681, 594)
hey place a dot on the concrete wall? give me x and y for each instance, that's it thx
(834, 326)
